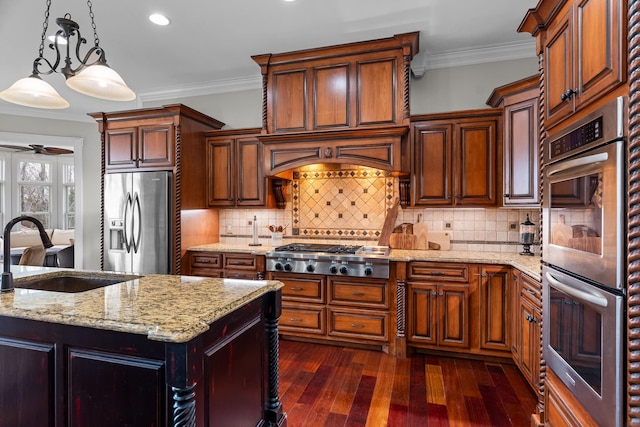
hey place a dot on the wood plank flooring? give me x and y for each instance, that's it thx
(326, 385)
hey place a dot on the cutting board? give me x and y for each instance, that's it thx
(421, 232)
(402, 241)
(561, 233)
(389, 222)
(440, 237)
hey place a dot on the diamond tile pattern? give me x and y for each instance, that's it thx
(345, 202)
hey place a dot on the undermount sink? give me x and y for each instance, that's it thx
(70, 283)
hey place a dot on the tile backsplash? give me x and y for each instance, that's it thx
(349, 204)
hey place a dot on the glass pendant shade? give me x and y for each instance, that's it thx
(100, 81)
(32, 91)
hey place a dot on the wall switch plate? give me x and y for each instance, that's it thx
(513, 226)
(447, 225)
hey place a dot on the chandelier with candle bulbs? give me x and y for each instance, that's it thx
(92, 76)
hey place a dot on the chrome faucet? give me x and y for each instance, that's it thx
(7, 278)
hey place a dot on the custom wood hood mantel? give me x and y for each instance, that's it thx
(375, 147)
(339, 104)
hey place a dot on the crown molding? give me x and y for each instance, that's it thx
(204, 88)
(479, 55)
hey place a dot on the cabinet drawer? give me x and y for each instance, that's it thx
(301, 288)
(365, 294)
(205, 260)
(439, 272)
(207, 272)
(298, 319)
(248, 275)
(239, 261)
(531, 290)
(371, 326)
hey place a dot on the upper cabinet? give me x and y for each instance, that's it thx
(521, 141)
(455, 158)
(234, 168)
(338, 104)
(163, 138)
(583, 46)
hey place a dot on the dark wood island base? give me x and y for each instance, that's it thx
(55, 374)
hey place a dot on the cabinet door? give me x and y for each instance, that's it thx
(248, 177)
(475, 170)
(121, 148)
(220, 161)
(495, 290)
(422, 307)
(453, 316)
(598, 36)
(558, 69)
(156, 146)
(521, 159)
(528, 324)
(432, 177)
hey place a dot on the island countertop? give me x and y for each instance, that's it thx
(162, 307)
(527, 264)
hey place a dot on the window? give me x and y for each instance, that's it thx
(35, 188)
(39, 186)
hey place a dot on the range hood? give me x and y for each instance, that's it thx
(344, 104)
(377, 147)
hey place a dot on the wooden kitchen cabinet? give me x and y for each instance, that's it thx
(233, 265)
(456, 158)
(438, 306)
(335, 309)
(521, 147)
(526, 348)
(168, 138)
(495, 310)
(234, 169)
(583, 43)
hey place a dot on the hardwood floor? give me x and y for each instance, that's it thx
(325, 385)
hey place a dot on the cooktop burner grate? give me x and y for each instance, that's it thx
(318, 247)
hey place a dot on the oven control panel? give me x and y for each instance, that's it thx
(578, 138)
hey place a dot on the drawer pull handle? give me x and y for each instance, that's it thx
(437, 273)
(357, 294)
(295, 319)
(357, 325)
(530, 291)
(296, 289)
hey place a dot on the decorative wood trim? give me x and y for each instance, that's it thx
(102, 172)
(633, 221)
(184, 408)
(178, 203)
(542, 138)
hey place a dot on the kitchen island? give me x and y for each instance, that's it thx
(154, 350)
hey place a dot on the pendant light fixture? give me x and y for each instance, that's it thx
(91, 77)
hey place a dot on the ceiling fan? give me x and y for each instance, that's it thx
(39, 149)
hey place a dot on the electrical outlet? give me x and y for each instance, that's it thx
(447, 225)
(513, 226)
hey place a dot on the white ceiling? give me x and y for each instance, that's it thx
(208, 46)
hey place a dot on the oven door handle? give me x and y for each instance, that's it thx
(568, 165)
(576, 293)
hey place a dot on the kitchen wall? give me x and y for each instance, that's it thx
(439, 90)
(348, 205)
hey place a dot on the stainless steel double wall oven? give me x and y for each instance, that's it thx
(584, 259)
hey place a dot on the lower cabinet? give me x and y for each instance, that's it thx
(527, 322)
(561, 408)
(352, 309)
(459, 307)
(233, 265)
(438, 305)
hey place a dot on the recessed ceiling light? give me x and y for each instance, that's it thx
(289, 0)
(159, 19)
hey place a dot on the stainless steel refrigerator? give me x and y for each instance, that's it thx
(137, 229)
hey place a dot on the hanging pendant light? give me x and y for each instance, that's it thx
(92, 77)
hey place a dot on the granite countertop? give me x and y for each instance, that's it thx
(163, 307)
(529, 265)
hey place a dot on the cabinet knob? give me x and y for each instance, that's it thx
(568, 94)
(433, 293)
(440, 294)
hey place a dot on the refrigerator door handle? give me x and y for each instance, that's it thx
(137, 223)
(127, 208)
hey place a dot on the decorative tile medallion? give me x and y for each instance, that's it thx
(341, 203)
